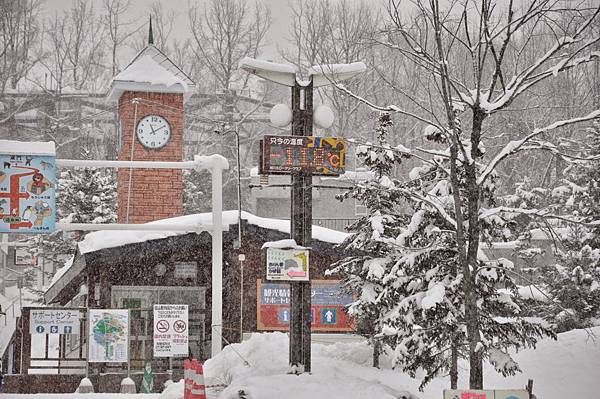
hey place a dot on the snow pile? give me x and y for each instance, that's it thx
(110, 239)
(29, 147)
(266, 378)
(60, 272)
(282, 244)
(566, 368)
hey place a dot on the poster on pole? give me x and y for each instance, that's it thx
(171, 330)
(54, 321)
(108, 335)
(288, 264)
(27, 186)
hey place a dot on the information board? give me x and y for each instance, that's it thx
(171, 330)
(287, 264)
(486, 394)
(54, 321)
(327, 310)
(108, 335)
(289, 154)
(27, 201)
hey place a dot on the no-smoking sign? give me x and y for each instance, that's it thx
(171, 336)
(162, 326)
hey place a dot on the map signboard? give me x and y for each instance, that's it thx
(27, 184)
(171, 334)
(54, 321)
(287, 264)
(327, 310)
(289, 154)
(108, 335)
(487, 394)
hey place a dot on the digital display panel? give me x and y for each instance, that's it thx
(289, 154)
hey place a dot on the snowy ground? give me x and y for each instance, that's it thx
(567, 368)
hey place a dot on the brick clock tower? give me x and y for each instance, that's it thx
(150, 94)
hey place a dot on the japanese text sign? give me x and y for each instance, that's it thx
(287, 264)
(171, 330)
(289, 154)
(54, 321)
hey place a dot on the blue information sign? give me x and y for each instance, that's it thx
(27, 187)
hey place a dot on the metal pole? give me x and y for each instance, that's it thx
(217, 261)
(3, 248)
(128, 343)
(241, 297)
(239, 188)
(301, 232)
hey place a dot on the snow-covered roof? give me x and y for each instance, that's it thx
(27, 147)
(110, 239)
(151, 70)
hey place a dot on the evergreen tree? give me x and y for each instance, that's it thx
(574, 283)
(373, 235)
(408, 280)
(83, 195)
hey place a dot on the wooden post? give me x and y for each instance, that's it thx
(529, 388)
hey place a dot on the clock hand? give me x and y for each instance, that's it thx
(151, 128)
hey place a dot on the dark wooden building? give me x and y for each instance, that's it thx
(139, 269)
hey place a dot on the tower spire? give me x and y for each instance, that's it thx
(150, 35)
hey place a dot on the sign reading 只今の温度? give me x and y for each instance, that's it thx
(327, 310)
(108, 335)
(289, 154)
(54, 321)
(27, 184)
(486, 394)
(171, 332)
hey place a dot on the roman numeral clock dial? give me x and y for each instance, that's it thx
(153, 131)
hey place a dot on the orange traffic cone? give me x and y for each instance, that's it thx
(188, 373)
(199, 388)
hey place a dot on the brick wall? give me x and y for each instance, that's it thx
(155, 193)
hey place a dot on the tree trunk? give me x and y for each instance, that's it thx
(454, 364)
(376, 352)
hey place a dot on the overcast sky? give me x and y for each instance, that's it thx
(280, 11)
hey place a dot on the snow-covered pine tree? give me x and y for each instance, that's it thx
(196, 192)
(574, 283)
(83, 195)
(373, 235)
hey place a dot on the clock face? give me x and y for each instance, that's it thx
(153, 131)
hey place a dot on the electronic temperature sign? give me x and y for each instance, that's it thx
(290, 154)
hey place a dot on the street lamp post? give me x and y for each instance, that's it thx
(239, 180)
(301, 198)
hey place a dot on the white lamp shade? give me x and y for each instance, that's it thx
(323, 116)
(280, 115)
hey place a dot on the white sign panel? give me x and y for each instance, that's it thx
(495, 394)
(186, 270)
(287, 264)
(54, 321)
(108, 335)
(171, 328)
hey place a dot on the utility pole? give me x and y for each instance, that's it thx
(301, 231)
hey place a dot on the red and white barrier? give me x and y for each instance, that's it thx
(193, 375)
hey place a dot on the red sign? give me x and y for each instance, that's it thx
(327, 309)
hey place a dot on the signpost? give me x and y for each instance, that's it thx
(288, 264)
(327, 311)
(27, 185)
(487, 394)
(171, 330)
(54, 321)
(290, 154)
(108, 336)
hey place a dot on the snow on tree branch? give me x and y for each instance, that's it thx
(512, 147)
